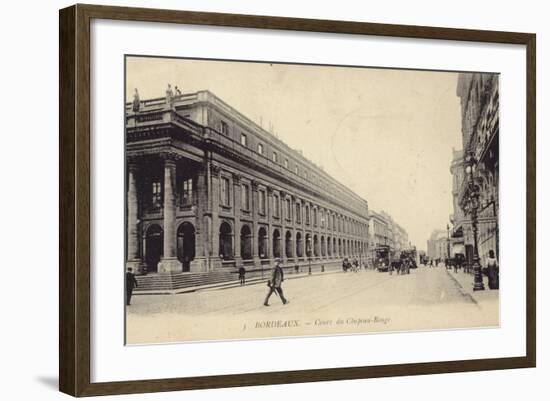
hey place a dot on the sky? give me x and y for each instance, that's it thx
(387, 134)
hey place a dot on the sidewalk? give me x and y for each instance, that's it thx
(466, 282)
(236, 283)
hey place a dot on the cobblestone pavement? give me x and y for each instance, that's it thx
(361, 302)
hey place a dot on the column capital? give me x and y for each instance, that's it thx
(237, 178)
(169, 157)
(254, 184)
(215, 169)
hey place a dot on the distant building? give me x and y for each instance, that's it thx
(437, 245)
(380, 229)
(384, 231)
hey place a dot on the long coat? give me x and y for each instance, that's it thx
(131, 281)
(277, 277)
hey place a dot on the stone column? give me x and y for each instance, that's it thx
(269, 213)
(133, 258)
(215, 261)
(200, 202)
(254, 242)
(169, 262)
(237, 213)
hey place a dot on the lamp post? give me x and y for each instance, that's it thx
(448, 246)
(473, 201)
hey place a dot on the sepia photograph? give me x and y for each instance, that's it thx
(271, 199)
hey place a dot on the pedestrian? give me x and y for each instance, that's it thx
(296, 268)
(131, 283)
(242, 272)
(492, 270)
(275, 284)
(345, 265)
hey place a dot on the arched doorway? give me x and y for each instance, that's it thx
(186, 245)
(262, 243)
(276, 244)
(288, 244)
(315, 245)
(246, 242)
(299, 246)
(153, 247)
(226, 241)
(308, 245)
(329, 247)
(323, 246)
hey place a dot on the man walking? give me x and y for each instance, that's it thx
(275, 283)
(131, 283)
(242, 272)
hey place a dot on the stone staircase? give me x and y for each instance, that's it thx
(162, 283)
(177, 281)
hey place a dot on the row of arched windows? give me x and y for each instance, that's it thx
(284, 244)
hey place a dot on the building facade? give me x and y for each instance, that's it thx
(479, 99)
(401, 238)
(207, 189)
(461, 235)
(438, 245)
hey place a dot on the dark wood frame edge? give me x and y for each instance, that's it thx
(74, 199)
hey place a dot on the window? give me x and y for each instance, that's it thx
(305, 175)
(244, 140)
(275, 157)
(314, 217)
(261, 205)
(307, 214)
(260, 149)
(286, 164)
(224, 128)
(287, 209)
(245, 197)
(224, 193)
(298, 213)
(186, 192)
(156, 195)
(296, 171)
(276, 206)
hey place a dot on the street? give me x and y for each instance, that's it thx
(367, 301)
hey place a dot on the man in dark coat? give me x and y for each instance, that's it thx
(242, 272)
(131, 283)
(275, 283)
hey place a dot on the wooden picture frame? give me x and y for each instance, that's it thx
(75, 208)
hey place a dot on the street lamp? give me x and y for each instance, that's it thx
(473, 203)
(448, 247)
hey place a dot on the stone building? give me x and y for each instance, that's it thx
(208, 189)
(461, 236)
(401, 238)
(438, 245)
(479, 99)
(380, 233)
